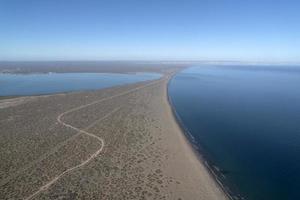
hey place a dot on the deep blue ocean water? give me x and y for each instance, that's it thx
(36, 84)
(246, 121)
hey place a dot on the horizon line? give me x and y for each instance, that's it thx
(167, 61)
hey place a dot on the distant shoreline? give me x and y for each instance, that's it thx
(37, 84)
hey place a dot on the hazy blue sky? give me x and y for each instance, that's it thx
(254, 30)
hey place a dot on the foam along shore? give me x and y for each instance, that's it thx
(144, 153)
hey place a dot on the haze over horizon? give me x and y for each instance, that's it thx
(254, 31)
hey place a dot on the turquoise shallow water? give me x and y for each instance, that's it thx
(246, 121)
(36, 84)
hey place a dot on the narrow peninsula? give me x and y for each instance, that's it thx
(116, 143)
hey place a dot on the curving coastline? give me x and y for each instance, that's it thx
(146, 153)
(212, 170)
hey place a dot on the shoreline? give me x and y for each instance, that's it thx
(56, 90)
(214, 173)
(145, 130)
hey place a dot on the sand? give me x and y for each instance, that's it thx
(144, 154)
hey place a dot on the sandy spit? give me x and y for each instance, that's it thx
(144, 153)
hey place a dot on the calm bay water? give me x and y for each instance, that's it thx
(246, 120)
(35, 84)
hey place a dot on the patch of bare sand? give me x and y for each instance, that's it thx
(194, 180)
(5, 103)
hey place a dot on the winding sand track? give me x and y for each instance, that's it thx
(59, 119)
